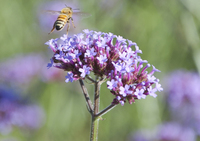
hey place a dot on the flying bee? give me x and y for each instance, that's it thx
(65, 15)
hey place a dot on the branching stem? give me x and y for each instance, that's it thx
(104, 111)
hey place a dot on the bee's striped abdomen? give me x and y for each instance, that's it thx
(60, 22)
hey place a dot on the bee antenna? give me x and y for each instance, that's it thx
(66, 5)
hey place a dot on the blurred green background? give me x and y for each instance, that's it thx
(167, 32)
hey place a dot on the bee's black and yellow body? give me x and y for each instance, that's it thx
(63, 19)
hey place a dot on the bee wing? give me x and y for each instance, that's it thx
(52, 12)
(82, 14)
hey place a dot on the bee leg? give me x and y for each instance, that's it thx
(73, 22)
(67, 28)
(52, 30)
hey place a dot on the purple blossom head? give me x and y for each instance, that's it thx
(15, 112)
(168, 131)
(142, 135)
(97, 52)
(20, 70)
(183, 88)
(173, 131)
(183, 97)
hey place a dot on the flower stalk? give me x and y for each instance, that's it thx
(94, 110)
(104, 111)
(94, 129)
(95, 120)
(87, 97)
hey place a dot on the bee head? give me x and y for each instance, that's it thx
(67, 10)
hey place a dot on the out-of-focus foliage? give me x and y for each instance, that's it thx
(166, 31)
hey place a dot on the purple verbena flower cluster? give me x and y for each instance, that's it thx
(15, 112)
(20, 70)
(183, 88)
(183, 96)
(167, 131)
(106, 55)
(172, 131)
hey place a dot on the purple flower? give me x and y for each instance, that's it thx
(169, 131)
(140, 93)
(102, 59)
(112, 84)
(124, 91)
(84, 71)
(183, 97)
(69, 77)
(175, 132)
(183, 87)
(21, 69)
(50, 64)
(14, 112)
(141, 135)
(90, 53)
(127, 78)
(152, 91)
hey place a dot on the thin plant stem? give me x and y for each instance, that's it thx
(95, 120)
(90, 78)
(87, 97)
(104, 111)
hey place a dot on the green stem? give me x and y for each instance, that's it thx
(87, 97)
(104, 111)
(94, 129)
(95, 120)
